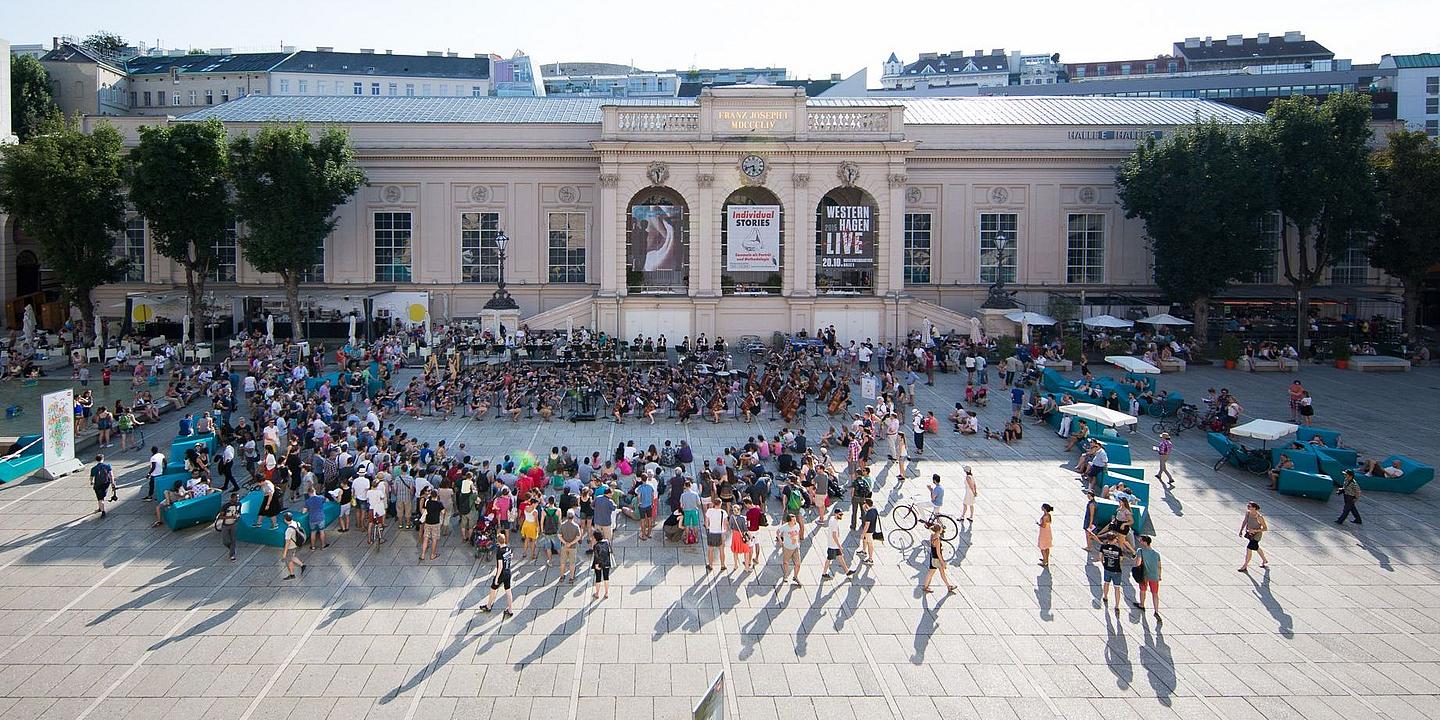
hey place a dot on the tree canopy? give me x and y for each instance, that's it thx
(1407, 242)
(30, 100)
(64, 187)
(106, 42)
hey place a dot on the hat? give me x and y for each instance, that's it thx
(967, 469)
(1165, 436)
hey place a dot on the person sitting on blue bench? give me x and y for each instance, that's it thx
(187, 425)
(1080, 436)
(1374, 468)
(181, 490)
(1285, 464)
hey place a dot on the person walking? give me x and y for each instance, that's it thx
(1148, 576)
(1046, 539)
(967, 502)
(1163, 450)
(937, 496)
(1252, 528)
(739, 538)
(290, 550)
(503, 558)
(1350, 493)
(102, 478)
(229, 515)
(835, 548)
(788, 536)
(869, 530)
(157, 468)
(601, 562)
(1307, 408)
(1114, 547)
(937, 562)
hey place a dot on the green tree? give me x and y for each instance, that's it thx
(65, 188)
(287, 186)
(31, 101)
(105, 42)
(1407, 243)
(1193, 190)
(1320, 181)
(179, 181)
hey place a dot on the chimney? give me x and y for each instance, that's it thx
(1294, 36)
(834, 77)
(998, 51)
(453, 54)
(367, 51)
(54, 42)
(1208, 41)
(1192, 42)
(434, 53)
(979, 53)
(481, 55)
(1263, 38)
(324, 48)
(389, 52)
(1234, 39)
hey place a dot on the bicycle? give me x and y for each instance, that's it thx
(1185, 418)
(1253, 460)
(906, 517)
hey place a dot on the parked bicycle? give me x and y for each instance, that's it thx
(1252, 460)
(1188, 416)
(905, 517)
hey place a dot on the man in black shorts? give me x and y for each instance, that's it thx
(503, 557)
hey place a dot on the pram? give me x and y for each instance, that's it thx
(482, 537)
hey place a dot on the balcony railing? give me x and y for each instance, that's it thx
(660, 121)
(846, 121)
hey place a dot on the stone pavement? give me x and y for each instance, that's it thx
(112, 620)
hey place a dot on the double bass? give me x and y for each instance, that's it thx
(839, 399)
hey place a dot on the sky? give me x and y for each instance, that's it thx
(812, 39)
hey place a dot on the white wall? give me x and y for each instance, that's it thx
(6, 133)
(457, 87)
(1410, 96)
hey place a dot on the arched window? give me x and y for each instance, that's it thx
(657, 252)
(845, 238)
(752, 243)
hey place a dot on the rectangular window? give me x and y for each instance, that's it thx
(1099, 69)
(1079, 71)
(132, 248)
(1432, 128)
(444, 89)
(316, 272)
(999, 240)
(1432, 105)
(224, 96)
(284, 87)
(1125, 69)
(1149, 68)
(392, 246)
(1085, 248)
(209, 97)
(425, 89)
(917, 248)
(1352, 268)
(1269, 245)
(479, 257)
(409, 89)
(174, 98)
(566, 251)
(1172, 66)
(133, 101)
(359, 88)
(225, 255)
(304, 87)
(192, 97)
(374, 88)
(319, 87)
(147, 98)
(476, 91)
(1432, 85)
(162, 98)
(394, 89)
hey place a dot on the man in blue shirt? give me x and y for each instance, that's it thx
(645, 500)
(1017, 399)
(937, 495)
(604, 512)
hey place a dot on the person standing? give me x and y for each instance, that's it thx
(1350, 493)
(1296, 392)
(1087, 523)
(601, 562)
(869, 530)
(1151, 566)
(1252, 528)
(229, 515)
(1046, 539)
(1114, 547)
(569, 541)
(937, 496)
(967, 502)
(717, 521)
(788, 537)
(315, 518)
(1163, 450)
(157, 468)
(503, 557)
(1307, 408)
(835, 548)
(102, 478)
(605, 513)
(937, 562)
(431, 512)
(917, 430)
(290, 550)
(227, 466)
(404, 496)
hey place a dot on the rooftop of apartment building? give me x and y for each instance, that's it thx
(1407, 62)
(956, 62)
(1291, 44)
(321, 60)
(75, 52)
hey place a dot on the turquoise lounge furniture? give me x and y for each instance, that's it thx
(1335, 461)
(1116, 452)
(30, 459)
(1105, 509)
(175, 461)
(1303, 458)
(194, 511)
(245, 530)
(1222, 445)
(1416, 474)
(1331, 438)
(313, 383)
(1305, 484)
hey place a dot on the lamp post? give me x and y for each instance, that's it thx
(501, 300)
(999, 298)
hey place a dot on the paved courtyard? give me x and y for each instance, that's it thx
(114, 620)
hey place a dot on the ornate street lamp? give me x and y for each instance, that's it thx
(1000, 298)
(501, 300)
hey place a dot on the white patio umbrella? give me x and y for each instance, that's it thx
(1031, 318)
(1264, 430)
(975, 335)
(28, 323)
(270, 328)
(1165, 319)
(1107, 321)
(351, 332)
(184, 329)
(1132, 364)
(1099, 413)
(99, 332)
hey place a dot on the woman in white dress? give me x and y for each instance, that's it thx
(967, 503)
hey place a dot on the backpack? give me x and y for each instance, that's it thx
(603, 557)
(863, 487)
(667, 457)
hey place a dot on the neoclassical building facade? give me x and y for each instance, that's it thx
(748, 210)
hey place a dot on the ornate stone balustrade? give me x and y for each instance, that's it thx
(848, 121)
(659, 121)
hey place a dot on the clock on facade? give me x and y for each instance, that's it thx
(753, 166)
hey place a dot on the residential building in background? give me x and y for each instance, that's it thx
(7, 132)
(597, 79)
(1416, 82)
(176, 85)
(86, 82)
(35, 50)
(516, 76)
(435, 74)
(1238, 52)
(956, 69)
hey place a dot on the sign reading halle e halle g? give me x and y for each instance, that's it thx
(753, 237)
(847, 237)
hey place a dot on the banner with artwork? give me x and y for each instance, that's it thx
(752, 235)
(58, 432)
(657, 239)
(847, 237)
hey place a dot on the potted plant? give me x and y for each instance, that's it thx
(1004, 348)
(1230, 350)
(1340, 350)
(1073, 348)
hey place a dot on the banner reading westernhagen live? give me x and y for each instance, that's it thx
(847, 237)
(753, 237)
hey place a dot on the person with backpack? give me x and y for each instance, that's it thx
(503, 559)
(869, 530)
(102, 478)
(550, 529)
(290, 549)
(229, 515)
(861, 489)
(601, 562)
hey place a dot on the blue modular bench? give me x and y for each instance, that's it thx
(265, 535)
(314, 383)
(175, 461)
(194, 511)
(1105, 509)
(1416, 474)
(1133, 477)
(1222, 445)
(1304, 459)
(1299, 483)
(1335, 461)
(1331, 438)
(31, 457)
(1116, 452)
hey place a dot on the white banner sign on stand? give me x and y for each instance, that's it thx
(58, 431)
